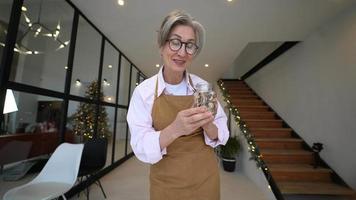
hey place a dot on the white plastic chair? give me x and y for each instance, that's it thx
(56, 178)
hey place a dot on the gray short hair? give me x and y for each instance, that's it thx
(179, 17)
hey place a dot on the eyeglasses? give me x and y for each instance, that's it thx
(190, 47)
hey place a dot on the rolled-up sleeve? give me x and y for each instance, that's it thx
(144, 139)
(220, 122)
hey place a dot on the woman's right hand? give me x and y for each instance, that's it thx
(185, 123)
(190, 119)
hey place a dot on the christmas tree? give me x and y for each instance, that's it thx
(84, 118)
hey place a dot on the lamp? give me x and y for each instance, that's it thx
(10, 103)
(9, 107)
(38, 29)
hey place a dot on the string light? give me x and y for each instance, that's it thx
(253, 149)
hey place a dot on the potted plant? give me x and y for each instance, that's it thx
(229, 152)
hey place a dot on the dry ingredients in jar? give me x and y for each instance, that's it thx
(205, 96)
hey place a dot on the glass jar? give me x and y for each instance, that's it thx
(205, 96)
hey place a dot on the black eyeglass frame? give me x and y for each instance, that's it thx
(181, 44)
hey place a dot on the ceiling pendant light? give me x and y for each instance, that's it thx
(39, 29)
(121, 2)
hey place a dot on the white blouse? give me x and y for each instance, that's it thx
(144, 138)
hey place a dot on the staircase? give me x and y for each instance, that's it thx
(288, 158)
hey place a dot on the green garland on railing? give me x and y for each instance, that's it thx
(253, 148)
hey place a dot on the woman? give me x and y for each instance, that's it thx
(166, 131)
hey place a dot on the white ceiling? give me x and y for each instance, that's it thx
(230, 26)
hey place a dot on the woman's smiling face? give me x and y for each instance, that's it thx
(178, 61)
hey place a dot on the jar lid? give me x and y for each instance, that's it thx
(203, 87)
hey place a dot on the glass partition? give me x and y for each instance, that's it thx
(121, 126)
(134, 80)
(41, 49)
(140, 78)
(81, 120)
(124, 81)
(109, 75)
(30, 129)
(106, 128)
(86, 59)
(5, 9)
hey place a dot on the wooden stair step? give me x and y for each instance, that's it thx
(269, 130)
(232, 83)
(239, 102)
(280, 143)
(287, 156)
(313, 188)
(248, 100)
(243, 108)
(270, 134)
(235, 82)
(244, 96)
(240, 93)
(258, 115)
(239, 86)
(299, 172)
(264, 123)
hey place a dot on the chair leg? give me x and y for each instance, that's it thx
(64, 197)
(87, 190)
(80, 179)
(101, 187)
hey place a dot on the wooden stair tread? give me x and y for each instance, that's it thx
(241, 96)
(258, 106)
(248, 100)
(278, 140)
(296, 167)
(264, 120)
(256, 115)
(270, 129)
(314, 188)
(259, 112)
(286, 151)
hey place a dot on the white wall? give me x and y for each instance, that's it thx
(251, 55)
(312, 87)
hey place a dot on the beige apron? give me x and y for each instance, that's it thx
(189, 170)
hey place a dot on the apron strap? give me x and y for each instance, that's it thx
(156, 88)
(191, 83)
